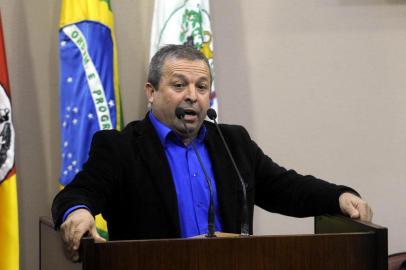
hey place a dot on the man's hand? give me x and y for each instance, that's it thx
(355, 207)
(75, 226)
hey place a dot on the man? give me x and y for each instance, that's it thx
(147, 182)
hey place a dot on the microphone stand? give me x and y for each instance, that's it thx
(180, 114)
(211, 113)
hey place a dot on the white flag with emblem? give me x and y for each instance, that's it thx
(184, 22)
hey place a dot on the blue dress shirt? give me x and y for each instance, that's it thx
(192, 191)
(191, 186)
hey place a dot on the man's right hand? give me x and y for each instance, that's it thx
(78, 223)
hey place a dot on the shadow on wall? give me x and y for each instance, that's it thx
(145, 32)
(54, 106)
(231, 65)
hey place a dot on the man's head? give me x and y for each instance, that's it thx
(179, 76)
(173, 51)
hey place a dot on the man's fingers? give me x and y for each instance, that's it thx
(78, 232)
(352, 211)
(365, 212)
(75, 226)
(355, 207)
(96, 236)
(67, 230)
(348, 205)
(73, 255)
(355, 214)
(64, 232)
(349, 208)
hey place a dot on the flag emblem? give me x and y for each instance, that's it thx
(193, 33)
(6, 136)
(184, 22)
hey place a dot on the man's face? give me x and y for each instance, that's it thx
(186, 84)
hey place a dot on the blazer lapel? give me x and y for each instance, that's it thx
(153, 153)
(226, 181)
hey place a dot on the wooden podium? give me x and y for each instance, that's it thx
(338, 243)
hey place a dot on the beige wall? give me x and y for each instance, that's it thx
(320, 85)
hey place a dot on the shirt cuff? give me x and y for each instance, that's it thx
(70, 210)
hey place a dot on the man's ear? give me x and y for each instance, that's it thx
(149, 92)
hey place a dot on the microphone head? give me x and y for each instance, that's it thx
(180, 112)
(211, 113)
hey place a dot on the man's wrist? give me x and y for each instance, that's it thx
(73, 208)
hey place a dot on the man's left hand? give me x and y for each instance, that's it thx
(355, 207)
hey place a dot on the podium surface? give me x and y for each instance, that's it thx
(338, 243)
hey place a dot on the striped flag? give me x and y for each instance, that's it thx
(9, 245)
(89, 88)
(184, 22)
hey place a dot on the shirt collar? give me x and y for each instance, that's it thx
(164, 132)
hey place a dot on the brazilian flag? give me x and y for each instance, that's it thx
(89, 87)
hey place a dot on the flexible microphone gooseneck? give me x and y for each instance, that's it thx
(180, 114)
(211, 113)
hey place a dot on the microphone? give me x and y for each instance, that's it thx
(211, 113)
(180, 114)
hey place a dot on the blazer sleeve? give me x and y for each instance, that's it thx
(287, 192)
(290, 193)
(93, 186)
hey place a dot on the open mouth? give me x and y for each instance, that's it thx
(190, 114)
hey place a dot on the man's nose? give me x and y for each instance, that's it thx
(191, 94)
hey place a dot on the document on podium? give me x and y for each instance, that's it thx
(217, 234)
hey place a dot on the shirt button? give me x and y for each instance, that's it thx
(194, 174)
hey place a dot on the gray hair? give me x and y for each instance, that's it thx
(173, 51)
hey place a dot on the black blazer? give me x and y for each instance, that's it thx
(127, 178)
